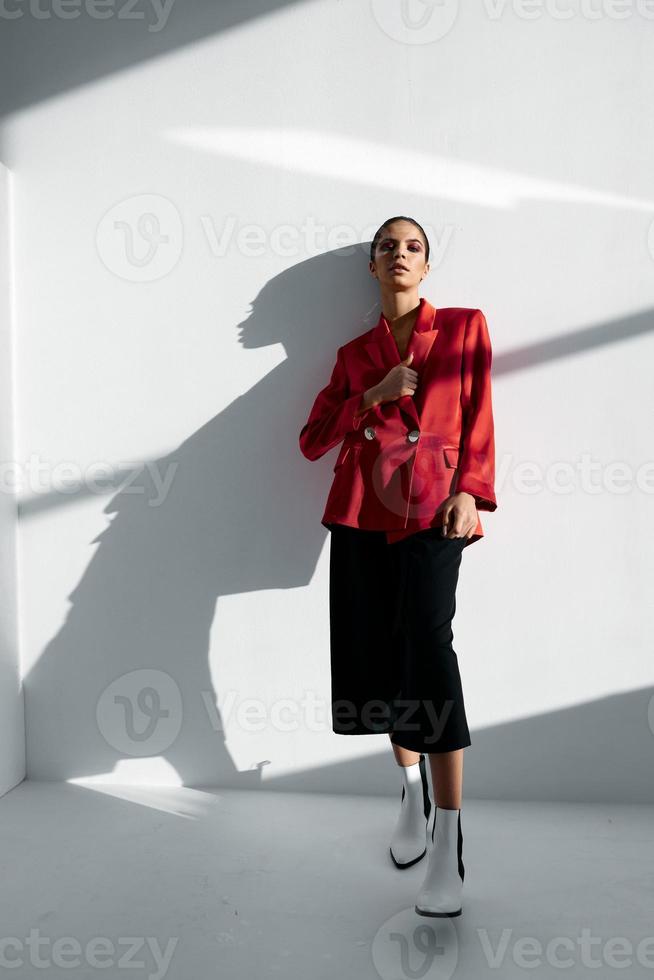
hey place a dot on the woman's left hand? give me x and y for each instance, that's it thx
(459, 516)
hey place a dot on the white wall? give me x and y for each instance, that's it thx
(523, 143)
(12, 719)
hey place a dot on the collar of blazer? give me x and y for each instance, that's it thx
(383, 352)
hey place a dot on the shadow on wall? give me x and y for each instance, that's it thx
(82, 48)
(242, 513)
(598, 752)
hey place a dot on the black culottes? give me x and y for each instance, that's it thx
(393, 667)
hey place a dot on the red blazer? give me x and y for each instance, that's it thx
(400, 460)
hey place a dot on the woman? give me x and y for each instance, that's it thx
(410, 401)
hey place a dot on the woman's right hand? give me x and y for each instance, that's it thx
(400, 380)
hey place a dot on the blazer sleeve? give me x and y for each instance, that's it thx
(334, 414)
(477, 457)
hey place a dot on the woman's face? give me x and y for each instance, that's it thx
(400, 257)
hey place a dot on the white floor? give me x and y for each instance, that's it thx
(244, 884)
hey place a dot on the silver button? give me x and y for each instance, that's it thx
(414, 435)
(369, 432)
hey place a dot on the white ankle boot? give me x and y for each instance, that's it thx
(409, 840)
(440, 894)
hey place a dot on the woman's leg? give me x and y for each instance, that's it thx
(440, 894)
(409, 840)
(405, 757)
(430, 712)
(446, 773)
(446, 777)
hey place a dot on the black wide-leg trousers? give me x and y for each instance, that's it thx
(393, 667)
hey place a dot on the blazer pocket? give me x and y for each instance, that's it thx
(352, 451)
(451, 457)
(342, 456)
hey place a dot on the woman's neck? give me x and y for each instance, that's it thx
(400, 310)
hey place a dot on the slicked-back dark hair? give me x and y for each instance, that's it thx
(389, 221)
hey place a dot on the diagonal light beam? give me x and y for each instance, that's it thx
(336, 157)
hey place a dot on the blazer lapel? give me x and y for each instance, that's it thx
(383, 352)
